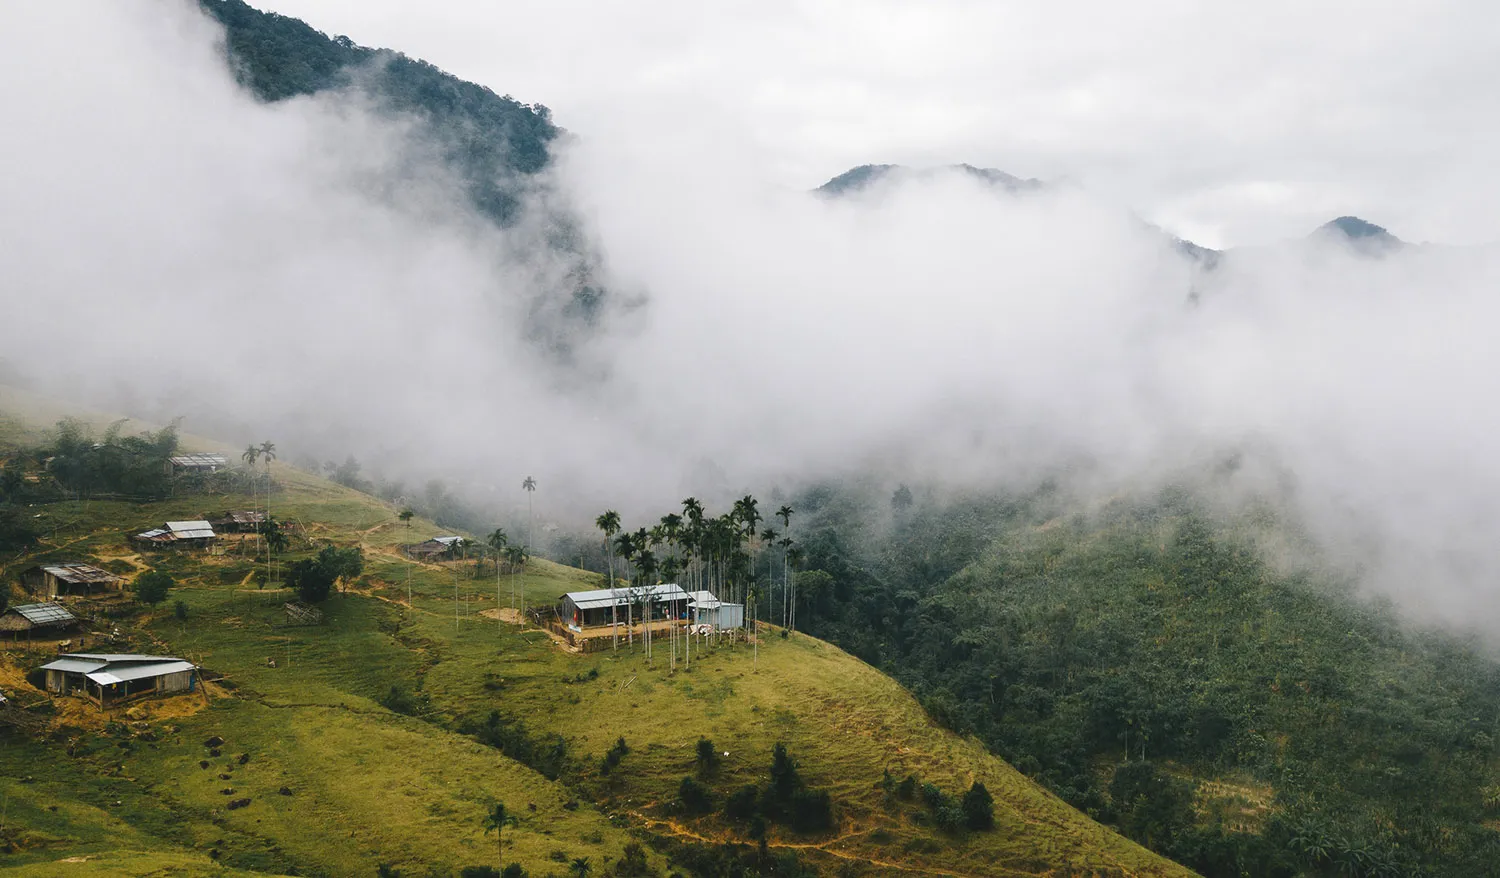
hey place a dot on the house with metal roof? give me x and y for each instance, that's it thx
(608, 606)
(706, 609)
(437, 547)
(109, 680)
(239, 521)
(69, 579)
(175, 534)
(197, 463)
(36, 619)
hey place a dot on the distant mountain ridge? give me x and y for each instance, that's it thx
(864, 176)
(1366, 235)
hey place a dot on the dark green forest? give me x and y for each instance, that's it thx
(491, 140)
(497, 147)
(1137, 658)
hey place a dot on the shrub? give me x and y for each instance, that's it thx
(696, 798)
(152, 586)
(741, 805)
(479, 872)
(311, 580)
(979, 808)
(811, 811)
(613, 757)
(708, 757)
(514, 870)
(180, 610)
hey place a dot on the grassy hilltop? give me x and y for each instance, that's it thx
(372, 740)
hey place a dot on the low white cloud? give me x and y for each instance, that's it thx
(300, 269)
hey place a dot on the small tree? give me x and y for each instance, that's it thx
(152, 586)
(580, 867)
(495, 820)
(311, 580)
(696, 798)
(406, 516)
(979, 808)
(708, 757)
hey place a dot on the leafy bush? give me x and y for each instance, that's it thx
(312, 582)
(180, 610)
(743, 804)
(152, 586)
(979, 808)
(696, 798)
(707, 758)
(612, 759)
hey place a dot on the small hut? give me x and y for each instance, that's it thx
(433, 549)
(68, 579)
(246, 521)
(110, 680)
(31, 620)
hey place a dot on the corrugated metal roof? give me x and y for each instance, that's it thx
(76, 666)
(80, 574)
(136, 672)
(447, 541)
(703, 600)
(619, 597)
(45, 614)
(190, 530)
(111, 657)
(246, 517)
(199, 459)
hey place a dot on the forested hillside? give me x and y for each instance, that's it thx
(496, 145)
(1144, 662)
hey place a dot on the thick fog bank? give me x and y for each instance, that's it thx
(305, 272)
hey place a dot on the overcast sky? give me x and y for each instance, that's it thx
(1227, 123)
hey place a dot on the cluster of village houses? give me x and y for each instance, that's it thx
(112, 679)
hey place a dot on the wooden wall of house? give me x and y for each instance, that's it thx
(182, 681)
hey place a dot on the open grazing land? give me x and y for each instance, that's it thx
(381, 737)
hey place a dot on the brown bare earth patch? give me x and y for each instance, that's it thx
(504, 614)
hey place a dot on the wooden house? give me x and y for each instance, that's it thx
(110, 680)
(34, 620)
(434, 549)
(69, 579)
(177, 534)
(247, 521)
(607, 606)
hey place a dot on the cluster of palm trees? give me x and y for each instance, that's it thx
(265, 451)
(719, 554)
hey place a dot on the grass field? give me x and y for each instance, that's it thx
(367, 785)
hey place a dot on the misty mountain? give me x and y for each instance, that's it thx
(1365, 235)
(494, 142)
(865, 176)
(496, 146)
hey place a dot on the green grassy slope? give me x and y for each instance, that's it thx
(369, 785)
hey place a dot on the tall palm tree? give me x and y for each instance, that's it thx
(495, 820)
(498, 541)
(267, 454)
(529, 486)
(785, 514)
(516, 556)
(625, 545)
(793, 558)
(609, 523)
